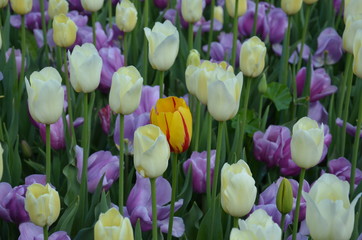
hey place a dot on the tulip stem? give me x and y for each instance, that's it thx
(154, 208)
(355, 148)
(145, 53)
(282, 223)
(285, 54)
(304, 35)
(110, 21)
(84, 181)
(45, 232)
(191, 36)
(23, 54)
(342, 87)
(94, 16)
(243, 120)
(47, 150)
(125, 48)
(161, 79)
(208, 160)
(297, 206)
(236, 222)
(255, 17)
(173, 196)
(211, 32)
(235, 34)
(197, 125)
(44, 28)
(121, 163)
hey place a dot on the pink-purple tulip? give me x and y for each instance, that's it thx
(245, 22)
(341, 167)
(317, 112)
(350, 129)
(30, 231)
(17, 53)
(105, 118)
(329, 48)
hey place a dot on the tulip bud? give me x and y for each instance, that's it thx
(43, 204)
(193, 58)
(191, 10)
(291, 7)
(151, 151)
(126, 16)
(252, 57)
(26, 149)
(126, 89)
(21, 7)
(285, 197)
(45, 95)
(1, 161)
(57, 7)
(230, 7)
(263, 85)
(85, 68)
(92, 5)
(357, 53)
(353, 24)
(307, 143)
(64, 31)
(111, 225)
(219, 14)
(310, 1)
(174, 118)
(3, 3)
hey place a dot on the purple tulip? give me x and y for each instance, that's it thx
(30, 231)
(112, 61)
(268, 146)
(278, 24)
(101, 163)
(341, 167)
(317, 112)
(294, 58)
(17, 58)
(246, 22)
(206, 25)
(139, 206)
(198, 161)
(86, 35)
(161, 4)
(329, 48)
(320, 85)
(337, 5)
(350, 129)
(105, 118)
(75, 5)
(33, 18)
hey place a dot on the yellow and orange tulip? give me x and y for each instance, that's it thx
(174, 118)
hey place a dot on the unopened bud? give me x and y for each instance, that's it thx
(26, 149)
(263, 85)
(285, 197)
(193, 58)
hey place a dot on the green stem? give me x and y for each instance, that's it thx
(235, 34)
(125, 48)
(161, 77)
(260, 110)
(191, 36)
(154, 208)
(145, 51)
(48, 163)
(121, 163)
(173, 196)
(94, 17)
(243, 120)
(211, 32)
(285, 54)
(58, 57)
(255, 17)
(45, 232)
(304, 35)
(236, 222)
(44, 28)
(297, 206)
(208, 161)
(23, 54)
(110, 21)
(342, 86)
(282, 223)
(197, 125)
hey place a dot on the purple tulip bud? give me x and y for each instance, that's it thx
(17, 58)
(161, 4)
(337, 5)
(105, 117)
(30, 231)
(341, 167)
(317, 112)
(350, 129)
(329, 48)
(278, 24)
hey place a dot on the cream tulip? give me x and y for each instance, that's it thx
(353, 24)
(43, 204)
(21, 7)
(126, 89)
(163, 45)
(111, 225)
(230, 7)
(92, 5)
(85, 68)
(191, 10)
(126, 16)
(357, 53)
(3, 3)
(193, 58)
(225, 92)
(258, 226)
(151, 151)
(291, 7)
(238, 191)
(56, 7)
(45, 95)
(307, 143)
(352, 8)
(1, 161)
(328, 206)
(252, 57)
(219, 14)
(64, 31)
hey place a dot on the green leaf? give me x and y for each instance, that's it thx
(192, 221)
(70, 173)
(66, 221)
(138, 231)
(207, 224)
(85, 233)
(279, 94)
(186, 192)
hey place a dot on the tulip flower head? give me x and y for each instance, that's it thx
(252, 57)
(191, 10)
(64, 31)
(219, 14)
(353, 25)
(291, 7)
(357, 53)
(92, 5)
(57, 7)
(126, 16)
(21, 7)
(3, 3)
(174, 118)
(230, 7)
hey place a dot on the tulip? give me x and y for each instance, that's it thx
(161, 3)
(45, 95)
(219, 14)
(64, 31)
(352, 8)
(291, 7)
(341, 167)
(105, 115)
(357, 53)
(92, 5)
(252, 57)
(126, 89)
(246, 22)
(329, 48)
(307, 143)
(193, 58)
(353, 24)
(225, 92)
(191, 10)
(85, 68)
(1, 161)
(328, 206)
(238, 191)
(3, 3)
(278, 24)
(259, 225)
(18, 56)
(317, 112)
(163, 45)
(126, 16)
(151, 151)
(30, 231)
(285, 197)
(350, 129)
(21, 7)
(57, 7)
(174, 118)
(230, 7)
(112, 225)
(43, 204)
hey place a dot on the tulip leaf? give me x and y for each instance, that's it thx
(70, 172)
(192, 221)
(65, 223)
(103, 205)
(205, 230)
(85, 233)
(138, 231)
(279, 94)
(95, 199)
(186, 192)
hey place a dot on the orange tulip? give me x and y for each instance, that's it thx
(174, 118)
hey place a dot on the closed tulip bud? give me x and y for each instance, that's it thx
(353, 24)
(191, 10)
(252, 57)
(225, 92)
(238, 191)
(285, 197)
(111, 225)
(291, 7)
(219, 14)
(92, 5)
(45, 95)
(57, 7)
(3, 3)
(230, 7)
(310, 1)
(126, 89)
(43, 204)
(126, 16)
(151, 151)
(26, 149)
(163, 45)
(307, 143)
(1, 161)
(193, 58)
(85, 68)
(21, 7)
(174, 118)
(64, 31)
(328, 205)
(263, 85)
(357, 53)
